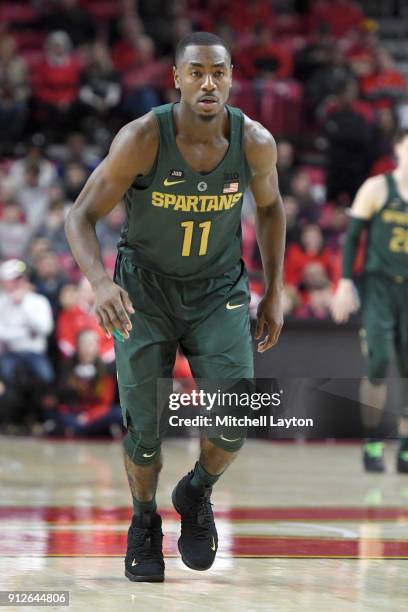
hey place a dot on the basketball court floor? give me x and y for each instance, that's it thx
(301, 528)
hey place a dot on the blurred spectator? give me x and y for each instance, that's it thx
(342, 16)
(100, 90)
(384, 86)
(293, 225)
(13, 114)
(80, 316)
(125, 52)
(56, 84)
(318, 304)
(37, 246)
(108, 229)
(13, 69)
(311, 250)
(363, 50)
(322, 66)
(285, 165)
(245, 16)
(333, 221)
(86, 393)
(48, 278)
(301, 189)
(68, 296)
(350, 137)
(25, 323)
(382, 151)
(315, 55)
(77, 149)
(156, 17)
(76, 175)
(266, 57)
(14, 233)
(47, 173)
(52, 228)
(290, 300)
(142, 80)
(33, 198)
(70, 16)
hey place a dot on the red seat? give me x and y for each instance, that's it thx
(12, 12)
(28, 40)
(242, 95)
(280, 107)
(102, 9)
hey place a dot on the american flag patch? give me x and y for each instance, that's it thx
(231, 187)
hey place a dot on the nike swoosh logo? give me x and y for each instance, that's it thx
(168, 183)
(213, 545)
(147, 455)
(134, 562)
(229, 439)
(229, 306)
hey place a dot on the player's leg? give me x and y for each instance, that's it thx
(218, 347)
(377, 344)
(148, 354)
(401, 345)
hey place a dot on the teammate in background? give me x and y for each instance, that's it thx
(381, 207)
(182, 169)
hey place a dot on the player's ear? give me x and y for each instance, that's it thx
(176, 78)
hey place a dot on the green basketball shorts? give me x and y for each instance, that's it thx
(207, 318)
(385, 324)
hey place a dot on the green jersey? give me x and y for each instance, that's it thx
(387, 247)
(182, 223)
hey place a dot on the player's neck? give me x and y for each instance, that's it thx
(190, 127)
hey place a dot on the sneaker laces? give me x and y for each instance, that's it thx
(145, 543)
(199, 517)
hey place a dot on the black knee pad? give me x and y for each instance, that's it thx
(142, 448)
(229, 443)
(377, 369)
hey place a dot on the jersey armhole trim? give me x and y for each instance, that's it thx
(149, 177)
(388, 185)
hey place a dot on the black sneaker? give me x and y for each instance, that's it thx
(373, 456)
(198, 542)
(144, 557)
(402, 461)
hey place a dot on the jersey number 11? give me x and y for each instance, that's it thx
(188, 227)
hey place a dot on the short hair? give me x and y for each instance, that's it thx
(399, 135)
(205, 39)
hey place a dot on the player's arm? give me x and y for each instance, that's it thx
(132, 152)
(366, 203)
(260, 149)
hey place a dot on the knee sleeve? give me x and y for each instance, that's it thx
(377, 367)
(141, 447)
(230, 443)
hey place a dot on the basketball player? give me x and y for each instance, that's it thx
(381, 207)
(179, 279)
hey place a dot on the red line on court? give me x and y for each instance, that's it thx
(73, 514)
(102, 544)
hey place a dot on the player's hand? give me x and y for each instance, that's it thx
(345, 301)
(113, 306)
(269, 315)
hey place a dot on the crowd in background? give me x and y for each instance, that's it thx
(72, 72)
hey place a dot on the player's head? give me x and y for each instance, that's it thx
(203, 73)
(401, 146)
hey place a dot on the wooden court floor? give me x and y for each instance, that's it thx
(301, 527)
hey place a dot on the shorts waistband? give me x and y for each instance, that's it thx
(131, 256)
